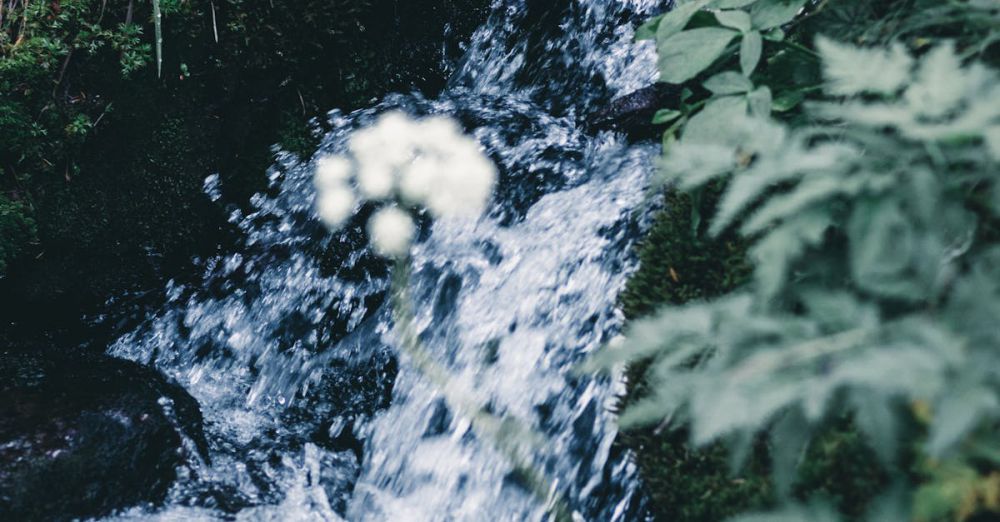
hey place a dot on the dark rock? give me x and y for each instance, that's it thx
(633, 113)
(84, 435)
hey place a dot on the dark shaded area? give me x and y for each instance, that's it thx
(123, 210)
(81, 436)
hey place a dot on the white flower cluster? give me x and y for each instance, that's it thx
(427, 163)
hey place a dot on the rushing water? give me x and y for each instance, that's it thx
(311, 411)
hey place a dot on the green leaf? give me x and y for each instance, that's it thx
(767, 14)
(760, 102)
(750, 50)
(992, 138)
(739, 20)
(853, 70)
(874, 415)
(811, 191)
(647, 31)
(882, 245)
(685, 54)
(775, 35)
(728, 82)
(957, 414)
(731, 4)
(786, 101)
(776, 250)
(714, 123)
(789, 440)
(665, 116)
(674, 21)
(938, 88)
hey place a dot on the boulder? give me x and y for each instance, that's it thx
(633, 113)
(84, 435)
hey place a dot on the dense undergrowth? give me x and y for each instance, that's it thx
(103, 160)
(827, 261)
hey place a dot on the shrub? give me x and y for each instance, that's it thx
(871, 210)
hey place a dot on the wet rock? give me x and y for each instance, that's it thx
(83, 435)
(633, 113)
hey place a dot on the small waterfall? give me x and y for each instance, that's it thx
(287, 343)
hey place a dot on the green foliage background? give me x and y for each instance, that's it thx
(850, 148)
(102, 161)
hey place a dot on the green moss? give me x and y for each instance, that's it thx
(681, 263)
(695, 484)
(841, 467)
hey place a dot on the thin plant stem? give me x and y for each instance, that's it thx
(509, 435)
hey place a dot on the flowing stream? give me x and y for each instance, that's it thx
(311, 411)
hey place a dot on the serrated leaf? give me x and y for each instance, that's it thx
(937, 89)
(694, 164)
(805, 194)
(957, 414)
(674, 21)
(735, 19)
(750, 50)
(767, 14)
(728, 82)
(685, 54)
(775, 251)
(853, 70)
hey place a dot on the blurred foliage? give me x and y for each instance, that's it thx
(857, 143)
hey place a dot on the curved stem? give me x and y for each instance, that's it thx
(509, 435)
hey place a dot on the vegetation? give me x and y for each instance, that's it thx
(103, 159)
(856, 144)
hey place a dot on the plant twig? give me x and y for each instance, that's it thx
(158, 30)
(215, 28)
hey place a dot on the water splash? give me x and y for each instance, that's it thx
(287, 343)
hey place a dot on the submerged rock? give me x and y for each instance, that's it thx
(81, 436)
